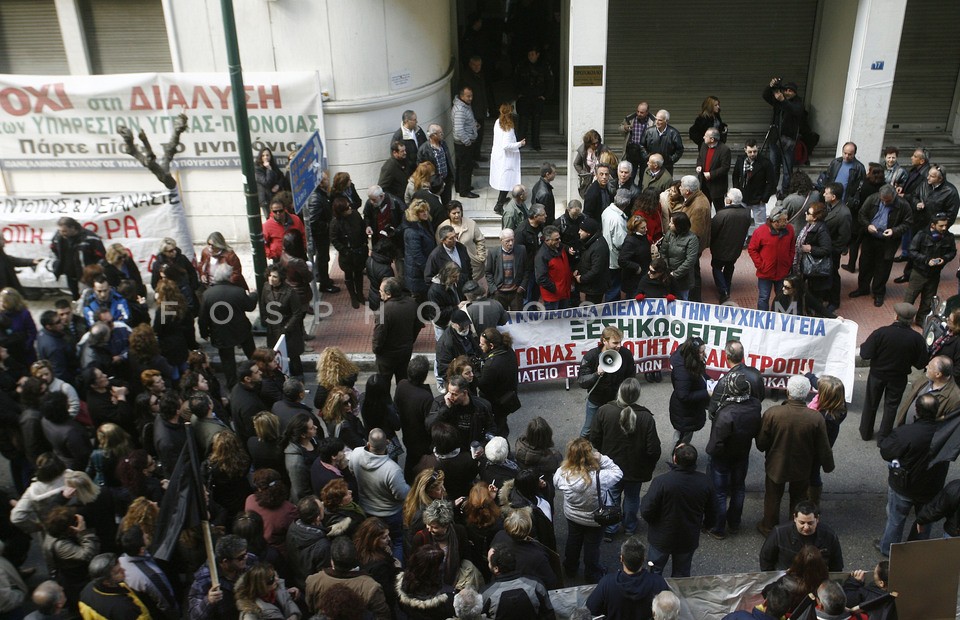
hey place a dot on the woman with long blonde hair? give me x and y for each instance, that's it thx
(260, 593)
(226, 473)
(339, 417)
(577, 480)
(420, 179)
(113, 444)
(419, 242)
(334, 369)
(831, 403)
(504, 156)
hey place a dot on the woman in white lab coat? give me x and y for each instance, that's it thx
(505, 156)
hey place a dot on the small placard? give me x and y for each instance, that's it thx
(588, 75)
(400, 80)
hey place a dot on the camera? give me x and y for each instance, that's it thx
(778, 84)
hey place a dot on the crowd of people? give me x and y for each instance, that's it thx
(392, 501)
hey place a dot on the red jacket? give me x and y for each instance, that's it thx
(273, 232)
(772, 253)
(557, 271)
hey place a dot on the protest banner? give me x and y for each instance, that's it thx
(138, 220)
(550, 344)
(71, 122)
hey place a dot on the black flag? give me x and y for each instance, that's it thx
(183, 504)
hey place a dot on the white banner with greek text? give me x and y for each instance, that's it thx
(139, 221)
(71, 122)
(549, 345)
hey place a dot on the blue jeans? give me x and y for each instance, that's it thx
(586, 538)
(681, 562)
(631, 506)
(783, 154)
(533, 289)
(767, 291)
(613, 293)
(684, 295)
(728, 485)
(898, 509)
(563, 304)
(395, 523)
(590, 411)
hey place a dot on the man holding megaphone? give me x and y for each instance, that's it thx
(602, 370)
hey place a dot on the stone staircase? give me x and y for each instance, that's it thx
(554, 150)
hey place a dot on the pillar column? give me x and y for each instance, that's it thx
(870, 74)
(587, 61)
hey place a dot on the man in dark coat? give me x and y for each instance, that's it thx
(469, 414)
(785, 541)
(839, 223)
(56, 348)
(907, 449)
(169, 434)
(735, 355)
(542, 193)
(457, 339)
(529, 234)
(411, 136)
(505, 267)
(282, 315)
(930, 251)
(599, 193)
(444, 253)
(396, 329)
(223, 319)
(713, 167)
(602, 387)
(785, 124)
(245, 401)
(435, 151)
(728, 231)
(735, 426)
(886, 217)
(662, 139)
(395, 171)
(846, 170)
(892, 350)
(794, 439)
(383, 217)
(677, 505)
(75, 247)
(628, 594)
(317, 216)
(534, 81)
(308, 549)
(593, 270)
(414, 398)
(8, 265)
(756, 178)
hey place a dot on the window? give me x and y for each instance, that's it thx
(30, 39)
(125, 36)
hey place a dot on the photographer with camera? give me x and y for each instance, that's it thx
(383, 216)
(602, 370)
(785, 125)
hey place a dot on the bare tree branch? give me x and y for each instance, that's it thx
(148, 158)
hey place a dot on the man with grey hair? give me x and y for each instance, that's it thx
(728, 231)
(831, 601)
(666, 606)
(505, 267)
(529, 234)
(614, 226)
(794, 440)
(542, 193)
(468, 604)
(771, 248)
(383, 216)
(381, 484)
(107, 596)
(223, 319)
(411, 136)
(449, 250)
(435, 151)
(516, 210)
(50, 599)
(624, 180)
(656, 176)
(663, 139)
(886, 217)
(713, 166)
(465, 132)
(697, 207)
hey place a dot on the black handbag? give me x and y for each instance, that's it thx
(606, 515)
(508, 402)
(815, 266)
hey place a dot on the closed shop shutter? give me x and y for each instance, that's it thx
(928, 64)
(674, 57)
(30, 39)
(125, 36)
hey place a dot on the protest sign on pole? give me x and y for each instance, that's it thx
(138, 220)
(549, 345)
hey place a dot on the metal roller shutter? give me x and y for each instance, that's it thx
(927, 67)
(30, 39)
(697, 48)
(125, 36)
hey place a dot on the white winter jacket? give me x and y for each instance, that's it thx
(579, 498)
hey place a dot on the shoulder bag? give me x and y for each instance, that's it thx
(606, 515)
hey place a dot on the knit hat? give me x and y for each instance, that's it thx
(590, 226)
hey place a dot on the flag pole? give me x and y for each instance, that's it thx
(202, 506)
